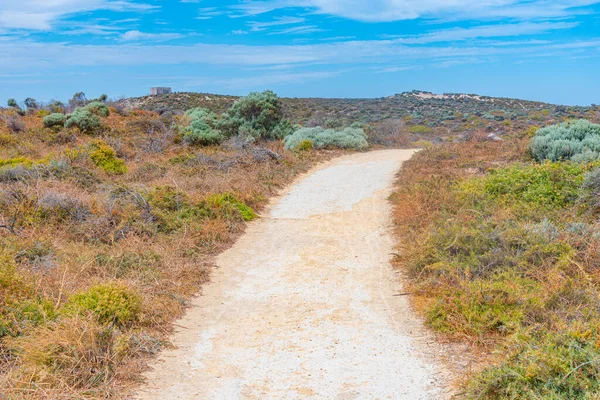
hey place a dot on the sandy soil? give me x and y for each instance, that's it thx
(303, 305)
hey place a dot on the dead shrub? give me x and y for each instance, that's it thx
(15, 124)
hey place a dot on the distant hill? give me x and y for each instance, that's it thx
(419, 106)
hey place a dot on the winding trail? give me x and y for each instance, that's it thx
(303, 305)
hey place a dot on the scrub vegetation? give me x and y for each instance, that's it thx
(111, 216)
(109, 223)
(501, 245)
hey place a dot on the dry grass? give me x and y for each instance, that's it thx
(70, 226)
(501, 254)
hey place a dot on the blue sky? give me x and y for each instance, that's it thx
(545, 50)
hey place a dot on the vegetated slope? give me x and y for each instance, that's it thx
(420, 107)
(107, 229)
(109, 218)
(502, 251)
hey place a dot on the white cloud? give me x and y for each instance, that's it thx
(134, 36)
(267, 80)
(486, 31)
(395, 10)
(210, 12)
(42, 14)
(263, 25)
(18, 55)
(297, 30)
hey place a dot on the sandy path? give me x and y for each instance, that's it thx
(303, 305)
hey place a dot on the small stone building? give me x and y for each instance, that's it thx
(155, 91)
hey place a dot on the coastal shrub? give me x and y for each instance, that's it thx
(52, 120)
(60, 206)
(349, 138)
(258, 115)
(230, 206)
(16, 161)
(98, 108)
(420, 129)
(105, 157)
(77, 352)
(561, 364)
(547, 186)
(507, 259)
(112, 302)
(15, 124)
(577, 141)
(201, 129)
(20, 307)
(305, 145)
(84, 120)
(168, 198)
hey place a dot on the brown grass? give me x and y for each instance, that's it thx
(100, 229)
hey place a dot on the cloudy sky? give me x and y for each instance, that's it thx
(534, 49)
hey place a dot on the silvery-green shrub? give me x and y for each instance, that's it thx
(55, 119)
(83, 119)
(348, 138)
(202, 128)
(98, 108)
(258, 115)
(578, 141)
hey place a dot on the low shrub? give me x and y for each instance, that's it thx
(577, 141)
(60, 206)
(168, 198)
(305, 145)
(98, 108)
(420, 129)
(349, 138)
(105, 157)
(560, 364)
(15, 124)
(16, 161)
(201, 129)
(546, 186)
(84, 120)
(20, 307)
(111, 302)
(229, 204)
(69, 353)
(52, 120)
(258, 115)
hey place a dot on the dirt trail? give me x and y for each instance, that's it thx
(303, 305)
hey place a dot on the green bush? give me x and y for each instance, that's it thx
(577, 141)
(201, 129)
(84, 120)
(349, 138)
(167, 198)
(548, 186)
(486, 306)
(110, 302)
(305, 145)
(420, 129)
(557, 364)
(259, 115)
(98, 108)
(52, 120)
(20, 307)
(16, 161)
(105, 157)
(229, 204)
